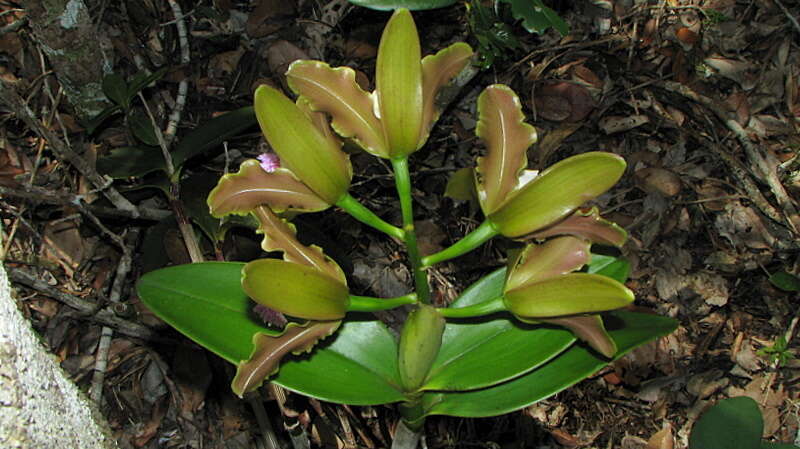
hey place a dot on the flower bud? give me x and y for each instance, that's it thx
(420, 341)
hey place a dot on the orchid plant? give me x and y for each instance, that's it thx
(516, 336)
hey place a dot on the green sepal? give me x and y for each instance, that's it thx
(295, 290)
(557, 192)
(314, 158)
(398, 84)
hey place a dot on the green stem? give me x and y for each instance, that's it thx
(474, 239)
(402, 180)
(366, 216)
(475, 310)
(370, 304)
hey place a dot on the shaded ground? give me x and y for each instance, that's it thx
(700, 98)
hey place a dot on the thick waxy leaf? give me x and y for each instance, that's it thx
(557, 192)
(589, 329)
(240, 193)
(785, 281)
(125, 162)
(507, 137)
(116, 89)
(501, 347)
(437, 71)
(588, 224)
(359, 367)
(296, 290)
(628, 330)
(414, 5)
(616, 268)
(567, 294)
(398, 84)
(335, 92)
(419, 344)
(213, 133)
(555, 257)
(731, 423)
(206, 302)
(280, 235)
(270, 350)
(461, 185)
(306, 151)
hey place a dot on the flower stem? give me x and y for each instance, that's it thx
(484, 308)
(366, 216)
(474, 239)
(370, 304)
(402, 180)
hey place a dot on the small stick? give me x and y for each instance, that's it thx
(101, 359)
(183, 86)
(11, 98)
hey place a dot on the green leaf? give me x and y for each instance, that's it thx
(212, 133)
(502, 348)
(461, 185)
(536, 17)
(785, 281)
(414, 5)
(142, 128)
(116, 89)
(95, 122)
(731, 423)
(628, 330)
(153, 254)
(398, 84)
(768, 445)
(616, 268)
(125, 162)
(205, 302)
(194, 190)
(358, 368)
(142, 80)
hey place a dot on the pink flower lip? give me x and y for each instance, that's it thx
(269, 162)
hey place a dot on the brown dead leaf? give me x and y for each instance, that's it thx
(281, 54)
(552, 140)
(705, 384)
(358, 49)
(739, 104)
(611, 124)
(662, 439)
(65, 245)
(268, 16)
(740, 72)
(585, 75)
(660, 180)
(713, 288)
(562, 101)
(224, 64)
(429, 237)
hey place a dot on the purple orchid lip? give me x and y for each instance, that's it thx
(269, 162)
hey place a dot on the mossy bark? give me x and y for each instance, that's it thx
(75, 49)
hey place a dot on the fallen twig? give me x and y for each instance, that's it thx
(85, 309)
(754, 155)
(10, 96)
(38, 195)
